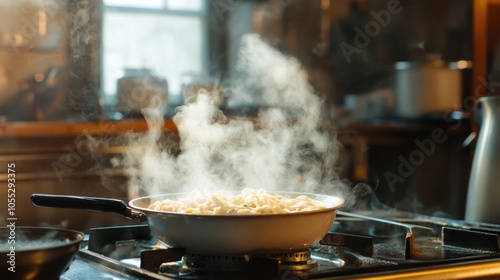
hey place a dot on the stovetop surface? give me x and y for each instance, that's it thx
(356, 245)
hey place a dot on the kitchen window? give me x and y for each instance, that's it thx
(165, 36)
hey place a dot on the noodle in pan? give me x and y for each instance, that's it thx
(250, 201)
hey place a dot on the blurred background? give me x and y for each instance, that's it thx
(76, 74)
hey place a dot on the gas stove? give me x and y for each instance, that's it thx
(358, 246)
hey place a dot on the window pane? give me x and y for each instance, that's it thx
(170, 45)
(191, 5)
(151, 4)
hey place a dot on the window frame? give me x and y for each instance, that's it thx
(202, 14)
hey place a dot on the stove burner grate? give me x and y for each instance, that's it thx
(192, 261)
(200, 266)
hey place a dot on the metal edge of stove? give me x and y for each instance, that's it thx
(93, 265)
(474, 269)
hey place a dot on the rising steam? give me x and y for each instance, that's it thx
(285, 148)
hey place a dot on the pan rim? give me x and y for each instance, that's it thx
(76, 237)
(339, 203)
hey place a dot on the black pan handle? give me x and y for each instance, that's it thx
(87, 203)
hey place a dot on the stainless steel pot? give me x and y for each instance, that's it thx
(428, 88)
(39, 252)
(216, 234)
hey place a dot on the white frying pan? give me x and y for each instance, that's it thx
(216, 234)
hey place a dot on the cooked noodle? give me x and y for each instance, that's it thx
(250, 201)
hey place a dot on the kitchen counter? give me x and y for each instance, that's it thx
(49, 129)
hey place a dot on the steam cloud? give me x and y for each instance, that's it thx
(286, 148)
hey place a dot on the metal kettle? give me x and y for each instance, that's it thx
(483, 198)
